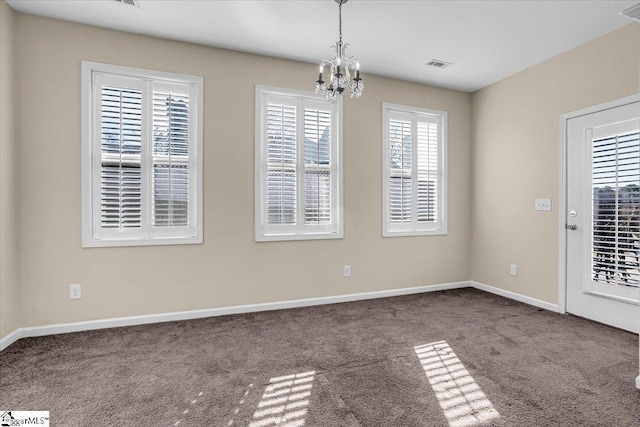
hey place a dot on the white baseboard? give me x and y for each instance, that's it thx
(63, 328)
(638, 382)
(515, 296)
(7, 340)
(37, 331)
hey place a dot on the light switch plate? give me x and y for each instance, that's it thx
(543, 204)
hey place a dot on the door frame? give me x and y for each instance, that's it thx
(562, 214)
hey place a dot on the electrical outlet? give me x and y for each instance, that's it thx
(347, 271)
(75, 291)
(513, 270)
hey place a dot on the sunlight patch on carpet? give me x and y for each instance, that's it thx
(461, 399)
(186, 411)
(237, 410)
(284, 401)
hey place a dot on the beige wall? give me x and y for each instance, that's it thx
(515, 160)
(229, 268)
(8, 184)
(516, 157)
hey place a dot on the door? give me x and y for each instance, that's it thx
(603, 216)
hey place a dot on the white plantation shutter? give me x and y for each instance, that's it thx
(400, 171)
(281, 163)
(297, 173)
(121, 158)
(171, 154)
(414, 157)
(140, 158)
(317, 166)
(120, 128)
(427, 167)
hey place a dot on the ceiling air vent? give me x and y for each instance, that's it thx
(133, 3)
(438, 63)
(633, 12)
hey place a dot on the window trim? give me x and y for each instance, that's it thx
(260, 92)
(88, 69)
(389, 109)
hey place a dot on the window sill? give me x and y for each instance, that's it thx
(414, 233)
(291, 237)
(165, 241)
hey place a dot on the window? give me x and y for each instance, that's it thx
(141, 157)
(298, 185)
(414, 176)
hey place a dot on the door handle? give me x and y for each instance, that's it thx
(571, 227)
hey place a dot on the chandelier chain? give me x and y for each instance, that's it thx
(340, 20)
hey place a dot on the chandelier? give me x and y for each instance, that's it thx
(341, 69)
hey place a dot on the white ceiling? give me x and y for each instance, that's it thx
(485, 40)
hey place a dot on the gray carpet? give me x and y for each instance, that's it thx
(452, 358)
